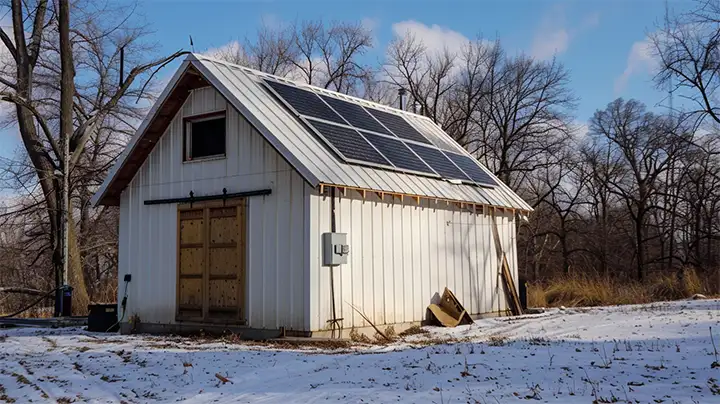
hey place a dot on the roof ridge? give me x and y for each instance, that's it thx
(324, 91)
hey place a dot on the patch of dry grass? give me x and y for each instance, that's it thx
(413, 330)
(584, 290)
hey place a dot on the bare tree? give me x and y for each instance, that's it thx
(527, 117)
(71, 53)
(327, 55)
(646, 144)
(427, 76)
(514, 113)
(688, 49)
(314, 52)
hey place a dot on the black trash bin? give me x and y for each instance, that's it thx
(102, 317)
(67, 301)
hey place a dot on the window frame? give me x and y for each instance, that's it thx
(187, 136)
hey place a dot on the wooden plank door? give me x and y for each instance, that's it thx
(191, 263)
(212, 239)
(226, 262)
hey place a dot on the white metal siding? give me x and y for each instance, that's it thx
(277, 253)
(402, 255)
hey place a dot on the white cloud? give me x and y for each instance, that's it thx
(232, 52)
(580, 130)
(550, 43)
(640, 61)
(435, 38)
(553, 36)
(370, 24)
(591, 21)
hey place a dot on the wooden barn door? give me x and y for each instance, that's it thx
(211, 261)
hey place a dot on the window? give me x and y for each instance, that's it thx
(204, 137)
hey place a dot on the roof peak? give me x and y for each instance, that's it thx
(262, 74)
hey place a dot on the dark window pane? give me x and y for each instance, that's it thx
(207, 138)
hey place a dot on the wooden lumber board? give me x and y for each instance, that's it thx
(510, 290)
(511, 295)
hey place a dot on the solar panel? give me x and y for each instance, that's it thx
(348, 142)
(471, 168)
(398, 125)
(431, 133)
(347, 132)
(398, 153)
(305, 102)
(438, 162)
(356, 115)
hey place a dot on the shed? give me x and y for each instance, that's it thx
(229, 187)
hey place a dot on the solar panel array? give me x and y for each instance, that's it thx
(365, 135)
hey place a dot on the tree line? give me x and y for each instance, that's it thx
(631, 193)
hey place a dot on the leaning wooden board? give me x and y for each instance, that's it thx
(450, 312)
(511, 295)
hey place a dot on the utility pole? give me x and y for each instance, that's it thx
(67, 90)
(66, 207)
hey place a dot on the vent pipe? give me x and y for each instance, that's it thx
(401, 94)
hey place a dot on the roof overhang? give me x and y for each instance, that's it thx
(186, 79)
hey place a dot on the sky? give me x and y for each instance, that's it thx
(603, 43)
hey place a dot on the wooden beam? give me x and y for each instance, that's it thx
(381, 194)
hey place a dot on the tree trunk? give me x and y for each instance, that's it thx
(76, 277)
(640, 244)
(565, 254)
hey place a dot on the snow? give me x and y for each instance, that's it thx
(644, 353)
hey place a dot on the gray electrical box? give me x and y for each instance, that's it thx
(335, 249)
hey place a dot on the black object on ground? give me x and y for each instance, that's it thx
(102, 317)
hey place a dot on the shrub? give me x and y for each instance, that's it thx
(595, 290)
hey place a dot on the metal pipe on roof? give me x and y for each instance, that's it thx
(401, 94)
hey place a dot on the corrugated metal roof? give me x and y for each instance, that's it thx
(244, 89)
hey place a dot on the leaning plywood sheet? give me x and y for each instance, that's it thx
(450, 313)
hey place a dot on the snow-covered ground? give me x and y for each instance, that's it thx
(646, 353)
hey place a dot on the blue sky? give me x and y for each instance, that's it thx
(603, 43)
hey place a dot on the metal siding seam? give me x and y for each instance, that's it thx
(356, 237)
(399, 262)
(309, 245)
(388, 262)
(290, 281)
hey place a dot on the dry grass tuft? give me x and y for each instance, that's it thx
(584, 290)
(413, 330)
(356, 336)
